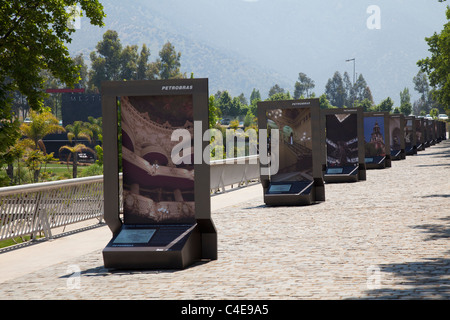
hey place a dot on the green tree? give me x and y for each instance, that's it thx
(275, 89)
(386, 105)
(279, 96)
(144, 68)
(169, 63)
(249, 119)
(335, 90)
(42, 124)
(255, 95)
(129, 63)
(214, 112)
(434, 113)
(421, 85)
(79, 147)
(405, 102)
(33, 37)
(366, 104)
(303, 86)
(224, 102)
(324, 103)
(75, 132)
(350, 96)
(437, 67)
(83, 71)
(106, 61)
(361, 90)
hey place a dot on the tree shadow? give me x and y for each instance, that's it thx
(425, 279)
(436, 231)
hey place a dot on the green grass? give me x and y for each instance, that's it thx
(52, 172)
(16, 240)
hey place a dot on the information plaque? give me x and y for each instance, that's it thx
(166, 216)
(134, 236)
(342, 141)
(377, 140)
(294, 126)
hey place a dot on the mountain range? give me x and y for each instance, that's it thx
(244, 44)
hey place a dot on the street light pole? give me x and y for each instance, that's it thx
(354, 75)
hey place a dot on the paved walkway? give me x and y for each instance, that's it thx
(383, 238)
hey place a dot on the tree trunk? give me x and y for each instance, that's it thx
(75, 165)
(10, 172)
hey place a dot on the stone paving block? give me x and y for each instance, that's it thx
(383, 238)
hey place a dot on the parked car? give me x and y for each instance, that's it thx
(443, 116)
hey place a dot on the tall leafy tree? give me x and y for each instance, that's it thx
(361, 90)
(335, 90)
(405, 102)
(275, 89)
(169, 62)
(144, 68)
(350, 95)
(421, 85)
(129, 63)
(106, 61)
(214, 112)
(224, 102)
(437, 67)
(255, 95)
(303, 86)
(33, 37)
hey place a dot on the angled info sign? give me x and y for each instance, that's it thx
(165, 220)
(343, 145)
(293, 126)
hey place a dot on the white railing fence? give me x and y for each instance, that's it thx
(233, 172)
(40, 207)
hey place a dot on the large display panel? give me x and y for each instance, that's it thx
(156, 190)
(397, 136)
(298, 179)
(165, 200)
(420, 134)
(377, 140)
(343, 145)
(410, 135)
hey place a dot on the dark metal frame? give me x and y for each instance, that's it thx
(399, 154)
(201, 242)
(360, 173)
(413, 149)
(386, 163)
(420, 144)
(317, 190)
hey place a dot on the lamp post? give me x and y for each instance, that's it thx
(354, 75)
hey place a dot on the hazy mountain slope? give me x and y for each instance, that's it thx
(240, 45)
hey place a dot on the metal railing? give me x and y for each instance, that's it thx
(39, 207)
(231, 172)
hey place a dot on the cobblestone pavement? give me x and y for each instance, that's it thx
(383, 238)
